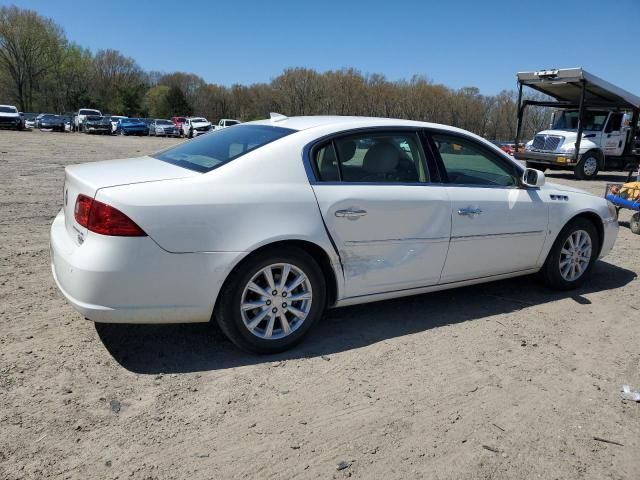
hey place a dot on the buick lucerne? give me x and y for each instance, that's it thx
(262, 226)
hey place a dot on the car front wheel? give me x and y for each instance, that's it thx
(272, 300)
(572, 256)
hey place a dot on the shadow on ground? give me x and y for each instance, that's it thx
(152, 349)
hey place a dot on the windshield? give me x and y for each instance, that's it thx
(8, 110)
(208, 152)
(198, 119)
(163, 122)
(89, 112)
(568, 120)
(50, 117)
(130, 120)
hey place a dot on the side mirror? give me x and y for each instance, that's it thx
(533, 178)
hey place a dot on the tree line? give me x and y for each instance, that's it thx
(42, 71)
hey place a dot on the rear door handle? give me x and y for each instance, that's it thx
(350, 213)
(469, 212)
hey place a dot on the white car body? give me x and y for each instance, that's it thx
(201, 225)
(114, 122)
(194, 126)
(225, 123)
(82, 116)
(10, 117)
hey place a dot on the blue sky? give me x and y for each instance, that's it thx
(455, 42)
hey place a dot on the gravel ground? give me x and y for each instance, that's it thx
(498, 381)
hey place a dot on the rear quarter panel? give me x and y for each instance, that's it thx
(254, 200)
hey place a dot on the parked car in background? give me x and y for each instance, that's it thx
(178, 122)
(52, 122)
(508, 148)
(82, 115)
(235, 226)
(10, 117)
(114, 121)
(96, 124)
(163, 128)
(29, 120)
(132, 126)
(194, 126)
(226, 122)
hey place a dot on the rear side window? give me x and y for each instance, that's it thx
(209, 151)
(372, 158)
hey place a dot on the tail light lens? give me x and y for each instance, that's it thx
(105, 219)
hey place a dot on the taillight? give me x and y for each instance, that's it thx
(104, 219)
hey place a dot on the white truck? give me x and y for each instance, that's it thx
(194, 126)
(81, 116)
(226, 122)
(593, 128)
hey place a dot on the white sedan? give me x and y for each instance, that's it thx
(264, 225)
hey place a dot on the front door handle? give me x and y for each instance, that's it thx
(469, 212)
(350, 213)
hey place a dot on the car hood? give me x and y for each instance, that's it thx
(565, 188)
(200, 124)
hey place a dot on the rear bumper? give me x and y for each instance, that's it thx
(546, 158)
(132, 280)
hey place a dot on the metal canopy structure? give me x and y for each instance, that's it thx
(577, 88)
(566, 85)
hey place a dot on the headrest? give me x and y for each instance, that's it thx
(381, 158)
(346, 149)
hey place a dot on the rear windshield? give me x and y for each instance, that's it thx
(208, 152)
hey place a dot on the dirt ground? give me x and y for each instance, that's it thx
(501, 381)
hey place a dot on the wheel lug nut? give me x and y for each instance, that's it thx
(268, 302)
(274, 310)
(275, 292)
(284, 305)
(284, 294)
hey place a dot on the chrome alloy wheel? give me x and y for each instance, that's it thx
(590, 166)
(575, 255)
(276, 301)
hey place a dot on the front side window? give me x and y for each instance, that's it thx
(208, 152)
(469, 163)
(615, 123)
(372, 158)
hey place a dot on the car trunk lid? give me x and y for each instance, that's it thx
(88, 178)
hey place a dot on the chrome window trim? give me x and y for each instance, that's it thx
(429, 157)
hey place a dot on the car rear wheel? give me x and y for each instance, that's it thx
(271, 300)
(587, 167)
(571, 259)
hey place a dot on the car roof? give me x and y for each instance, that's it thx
(338, 123)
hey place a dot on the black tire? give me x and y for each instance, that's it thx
(584, 170)
(227, 312)
(550, 271)
(634, 223)
(538, 166)
(190, 133)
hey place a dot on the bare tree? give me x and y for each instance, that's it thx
(30, 45)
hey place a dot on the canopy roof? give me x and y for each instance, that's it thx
(565, 85)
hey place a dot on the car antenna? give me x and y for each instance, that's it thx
(277, 117)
